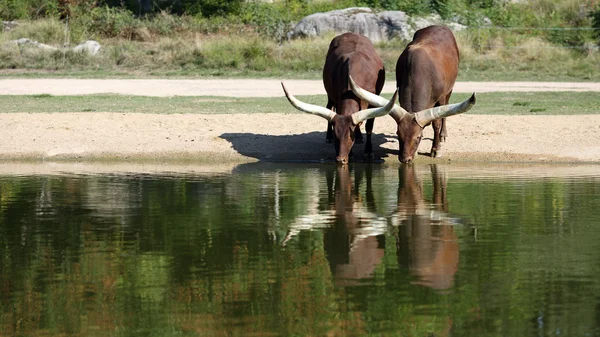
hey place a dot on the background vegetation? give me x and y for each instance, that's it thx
(551, 39)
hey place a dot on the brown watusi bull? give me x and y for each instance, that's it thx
(425, 75)
(348, 54)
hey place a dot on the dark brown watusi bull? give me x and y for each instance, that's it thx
(425, 75)
(348, 54)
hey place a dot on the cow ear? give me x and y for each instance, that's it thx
(427, 116)
(308, 108)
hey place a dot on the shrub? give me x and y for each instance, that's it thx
(270, 21)
(595, 15)
(110, 22)
(28, 9)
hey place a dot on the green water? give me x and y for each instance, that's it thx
(303, 250)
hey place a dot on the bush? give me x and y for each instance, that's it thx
(28, 9)
(595, 15)
(270, 21)
(109, 22)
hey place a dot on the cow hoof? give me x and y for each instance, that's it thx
(369, 157)
(436, 153)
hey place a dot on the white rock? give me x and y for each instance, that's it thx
(91, 47)
(33, 43)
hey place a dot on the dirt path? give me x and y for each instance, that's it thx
(242, 138)
(239, 87)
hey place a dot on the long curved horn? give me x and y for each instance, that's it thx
(362, 115)
(427, 116)
(309, 108)
(397, 111)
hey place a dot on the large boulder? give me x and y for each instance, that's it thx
(381, 26)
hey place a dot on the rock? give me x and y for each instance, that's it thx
(91, 47)
(9, 25)
(33, 43)
(377, 27)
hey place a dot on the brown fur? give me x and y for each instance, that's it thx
(350, 54)
(425, 75)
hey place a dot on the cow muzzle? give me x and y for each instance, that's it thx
(406, 160)
(341, 160)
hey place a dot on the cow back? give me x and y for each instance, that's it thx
(351, 54)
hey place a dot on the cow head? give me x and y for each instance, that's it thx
(343, 125)
(410, 125)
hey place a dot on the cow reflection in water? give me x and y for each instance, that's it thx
(355, 244)
(354, 234)
(426, 241)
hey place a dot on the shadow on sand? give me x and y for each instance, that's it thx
(307, 147)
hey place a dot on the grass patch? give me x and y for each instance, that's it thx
(549, 103)
(534, 110)
(41, 96)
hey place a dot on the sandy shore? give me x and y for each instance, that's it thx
(236, 138)
(291, 137)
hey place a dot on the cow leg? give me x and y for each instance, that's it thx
(358, 137)
(444, 132)
(329, 136)
(369, 145)
(436, 148)
(439, 130)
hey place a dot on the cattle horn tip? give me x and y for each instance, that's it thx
(352, 83)
(395, 96)
(472, 99)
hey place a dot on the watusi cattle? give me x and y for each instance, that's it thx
(353, 55)
(425, 75)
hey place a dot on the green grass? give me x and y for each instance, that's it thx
(543, 103)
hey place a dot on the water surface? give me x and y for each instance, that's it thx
(303, 250)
